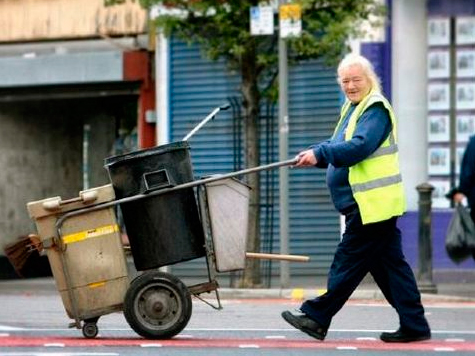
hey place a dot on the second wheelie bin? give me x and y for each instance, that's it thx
(162, 229)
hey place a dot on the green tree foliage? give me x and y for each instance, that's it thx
(222, 28)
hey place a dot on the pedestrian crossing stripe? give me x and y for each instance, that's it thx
(87, 234)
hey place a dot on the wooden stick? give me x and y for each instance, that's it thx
(273, 256)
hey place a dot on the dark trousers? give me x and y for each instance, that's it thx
(374, 248)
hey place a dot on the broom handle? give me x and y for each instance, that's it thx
(273, 256)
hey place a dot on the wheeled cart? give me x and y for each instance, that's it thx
(87, 257)
(169, 216)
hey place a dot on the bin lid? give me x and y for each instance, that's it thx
(180, 145)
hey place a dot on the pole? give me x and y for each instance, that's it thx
(424, 277)
(452, 110)
(283, 154)
(85, 156)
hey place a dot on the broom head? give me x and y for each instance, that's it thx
(23, 250)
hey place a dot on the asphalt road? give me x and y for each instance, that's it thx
(34, 323)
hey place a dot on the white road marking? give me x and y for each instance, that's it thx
(444, 349)
(9, 328)
(151, 345)
(274, 337)
(58, 354)
(54, 344)
(184, 336)
(346, 348)
(249, 346)
(356, 331)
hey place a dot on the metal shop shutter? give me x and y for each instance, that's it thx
(314, 225)
(197, 86)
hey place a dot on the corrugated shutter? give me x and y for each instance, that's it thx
(197, 86)
(314, 99)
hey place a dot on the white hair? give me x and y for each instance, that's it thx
(353, 59)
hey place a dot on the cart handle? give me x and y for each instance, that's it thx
(191, 184)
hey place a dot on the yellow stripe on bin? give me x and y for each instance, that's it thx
(96, 284)
(87, 234)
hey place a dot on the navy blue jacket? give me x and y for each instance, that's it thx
(467, 173)
(337, 155)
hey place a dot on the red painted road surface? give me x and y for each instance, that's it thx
(430, 345)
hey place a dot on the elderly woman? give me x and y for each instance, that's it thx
(365, 184)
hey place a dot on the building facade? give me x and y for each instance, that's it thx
(72, 79)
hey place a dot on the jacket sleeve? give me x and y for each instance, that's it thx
(372, 128)
(467, 169)
(321, 162)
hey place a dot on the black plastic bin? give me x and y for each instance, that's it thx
(163, 229)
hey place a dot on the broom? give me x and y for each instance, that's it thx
(22, 251)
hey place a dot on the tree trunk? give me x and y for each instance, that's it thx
(251, 100)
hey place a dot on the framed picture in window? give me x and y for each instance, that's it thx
(439, 128)
(465, 30)
(438, 65)
(465, 127)
(438, 32)
(438, 96)
(465, 63)
(439, 160)
(441, 187)
(465, 96)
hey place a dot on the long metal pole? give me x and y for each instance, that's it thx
(283, 155)
(191, 184)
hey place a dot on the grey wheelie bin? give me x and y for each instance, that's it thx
(86, 256)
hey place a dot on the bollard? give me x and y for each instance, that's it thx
(424, 276)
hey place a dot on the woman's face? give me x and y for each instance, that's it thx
(354, 83)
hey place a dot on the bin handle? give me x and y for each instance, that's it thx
(52, 204)
(88, 196)
(56, 203)
(159, 179)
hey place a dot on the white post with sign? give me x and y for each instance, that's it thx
(290, 25)
(262, 20)
(290, 20)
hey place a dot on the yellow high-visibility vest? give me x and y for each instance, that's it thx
(376, 181)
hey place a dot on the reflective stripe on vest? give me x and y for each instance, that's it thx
(377, 183)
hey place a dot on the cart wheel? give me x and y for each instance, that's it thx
(90, 330)
(157, 305)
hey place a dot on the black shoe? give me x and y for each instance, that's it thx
(302, 322)
(404, 336)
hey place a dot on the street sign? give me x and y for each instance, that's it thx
(262, 20)
(290, 20)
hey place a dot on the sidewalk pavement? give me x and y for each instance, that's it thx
(446, 292)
